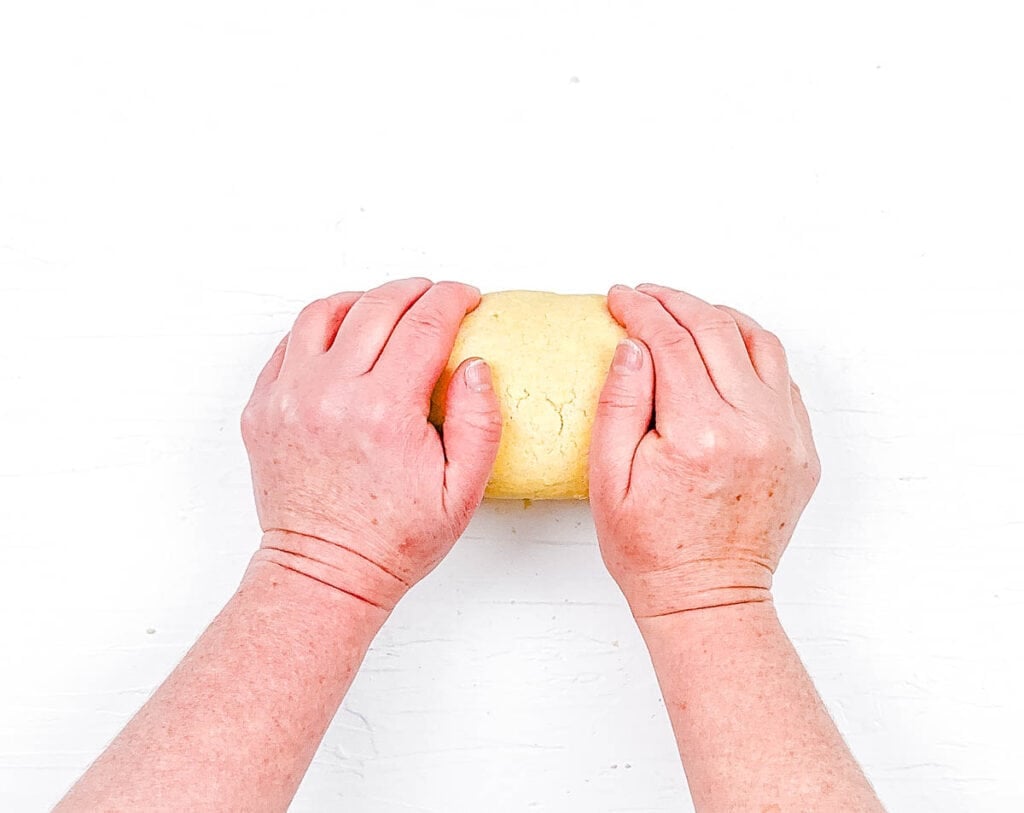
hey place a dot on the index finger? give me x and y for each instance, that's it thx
(718, 339)
(680, 379)
(422, 341)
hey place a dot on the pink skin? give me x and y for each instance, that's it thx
(351, 480)
(730, 458)
(359, 498)
(693, 514)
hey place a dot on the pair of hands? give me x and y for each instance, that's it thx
(701, 457)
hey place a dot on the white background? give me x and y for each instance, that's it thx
(176, 180)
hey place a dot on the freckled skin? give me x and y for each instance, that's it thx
(347, 468)
(359, 498)
(719, 506)
(693, 514)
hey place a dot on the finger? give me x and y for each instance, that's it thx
(804, 420)
(800, 409)
(621, 421)
(422, 341)
(718, 339)
(471, 434)
(266, 377)
(317, 324)
(680, 378)
(765, 350)
(272, 368)
(340, 304)
(369, 323)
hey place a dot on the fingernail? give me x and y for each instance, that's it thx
(478, 376)
(628, 356)
(646, 285)
(621, 288)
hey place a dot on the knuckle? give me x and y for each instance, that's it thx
(382, 431)
(313, 310)
(813, 464)
(766, 339)
(715, 321)
(249, 421)
(425, 321)
(738, 316)
(671, 337)
(720, 447)
(616, 399)
(343, 296)
(705, 448)
(448, 288)
(717, 445)
(396, 290)
(375, 299)
(488, 425)
(309, 413)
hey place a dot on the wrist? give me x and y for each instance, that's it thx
(270, 590)
(710, 628)
(333, 565)
(702, 584)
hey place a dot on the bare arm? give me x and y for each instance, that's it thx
(236, 724)
(693, 516)
(359, 498)
(750, 727)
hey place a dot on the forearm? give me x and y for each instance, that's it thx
(236, 724)
(751, 729)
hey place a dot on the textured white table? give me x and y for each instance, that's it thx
(176, 183)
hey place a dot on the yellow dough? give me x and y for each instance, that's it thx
(549, 355)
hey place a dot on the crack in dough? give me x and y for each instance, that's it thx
(549, 354)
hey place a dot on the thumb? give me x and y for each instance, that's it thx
(623, 416)
(472, 430)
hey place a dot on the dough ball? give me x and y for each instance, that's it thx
(549, 356)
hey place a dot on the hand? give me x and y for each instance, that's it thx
(354, 487)
(696, 511)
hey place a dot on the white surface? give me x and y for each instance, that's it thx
(176, 181)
